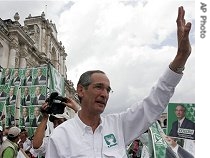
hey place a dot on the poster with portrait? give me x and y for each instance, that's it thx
(23, 91)
(10, 115)
(24, 120)
(4, 89)
(181, 120)
(35, 116)
(15, 77)
(26, 76)
(40, 76)
(25, 96)
(6, 76)
(38, 95)
(12, 95)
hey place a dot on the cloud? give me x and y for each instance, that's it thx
(132, 41)
(125, 41)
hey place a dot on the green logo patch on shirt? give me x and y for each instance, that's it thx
(110, 140)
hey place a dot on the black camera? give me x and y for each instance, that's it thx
(56, 105)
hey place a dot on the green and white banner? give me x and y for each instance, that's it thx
(158, 143)
(167, 147)
(56, 81)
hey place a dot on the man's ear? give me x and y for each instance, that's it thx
(80, 89)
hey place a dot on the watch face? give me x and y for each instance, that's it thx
(179, 69)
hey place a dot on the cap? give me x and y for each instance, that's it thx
(14, 131)
(1, 129)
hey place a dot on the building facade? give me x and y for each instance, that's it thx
(32, 45)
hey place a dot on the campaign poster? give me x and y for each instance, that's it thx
(40, 76)
(181, 120)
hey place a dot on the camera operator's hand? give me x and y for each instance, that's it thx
(71, 103)
(43, 110)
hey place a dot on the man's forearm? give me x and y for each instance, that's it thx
(40, 133)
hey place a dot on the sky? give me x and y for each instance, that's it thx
(132, 41)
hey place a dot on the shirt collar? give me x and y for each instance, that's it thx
(84, 127)
(181, 121)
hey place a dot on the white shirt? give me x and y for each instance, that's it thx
(27, 145)
(181, 121)
(73, 139)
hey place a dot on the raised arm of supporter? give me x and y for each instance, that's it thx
(40, 130)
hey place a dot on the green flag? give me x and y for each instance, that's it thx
(56, 81)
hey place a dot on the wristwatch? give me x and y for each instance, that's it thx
(178, 70)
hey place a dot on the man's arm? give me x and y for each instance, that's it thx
(71, 103)
(184, 48)
(40, 131)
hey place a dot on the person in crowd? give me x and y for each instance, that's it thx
(27, 81)
(37, 117)
(182, 123)
(16, 78)
(10, 146)
(40, 140)
(96, 135)
(24, 142)
(5, 132)
(26, 100)
(12, 97)
(135, 151)
(7, 76)
(40, 79)
(25, 117)
(39, 98)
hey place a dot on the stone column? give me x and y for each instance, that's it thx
(23, 54)
(12, 52)
(63, 63)
(48, 44)
(43, 43)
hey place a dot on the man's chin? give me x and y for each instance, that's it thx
(101, 108)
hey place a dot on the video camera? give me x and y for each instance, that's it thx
(56, 105)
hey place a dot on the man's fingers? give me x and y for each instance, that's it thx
(187, 29)
(180, 19)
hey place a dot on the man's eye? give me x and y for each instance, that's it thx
(108, 90)
(99, 86)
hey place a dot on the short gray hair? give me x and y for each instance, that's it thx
(85, 79)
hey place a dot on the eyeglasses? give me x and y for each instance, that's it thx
(102, 87)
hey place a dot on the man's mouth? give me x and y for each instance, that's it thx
(101, 102)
